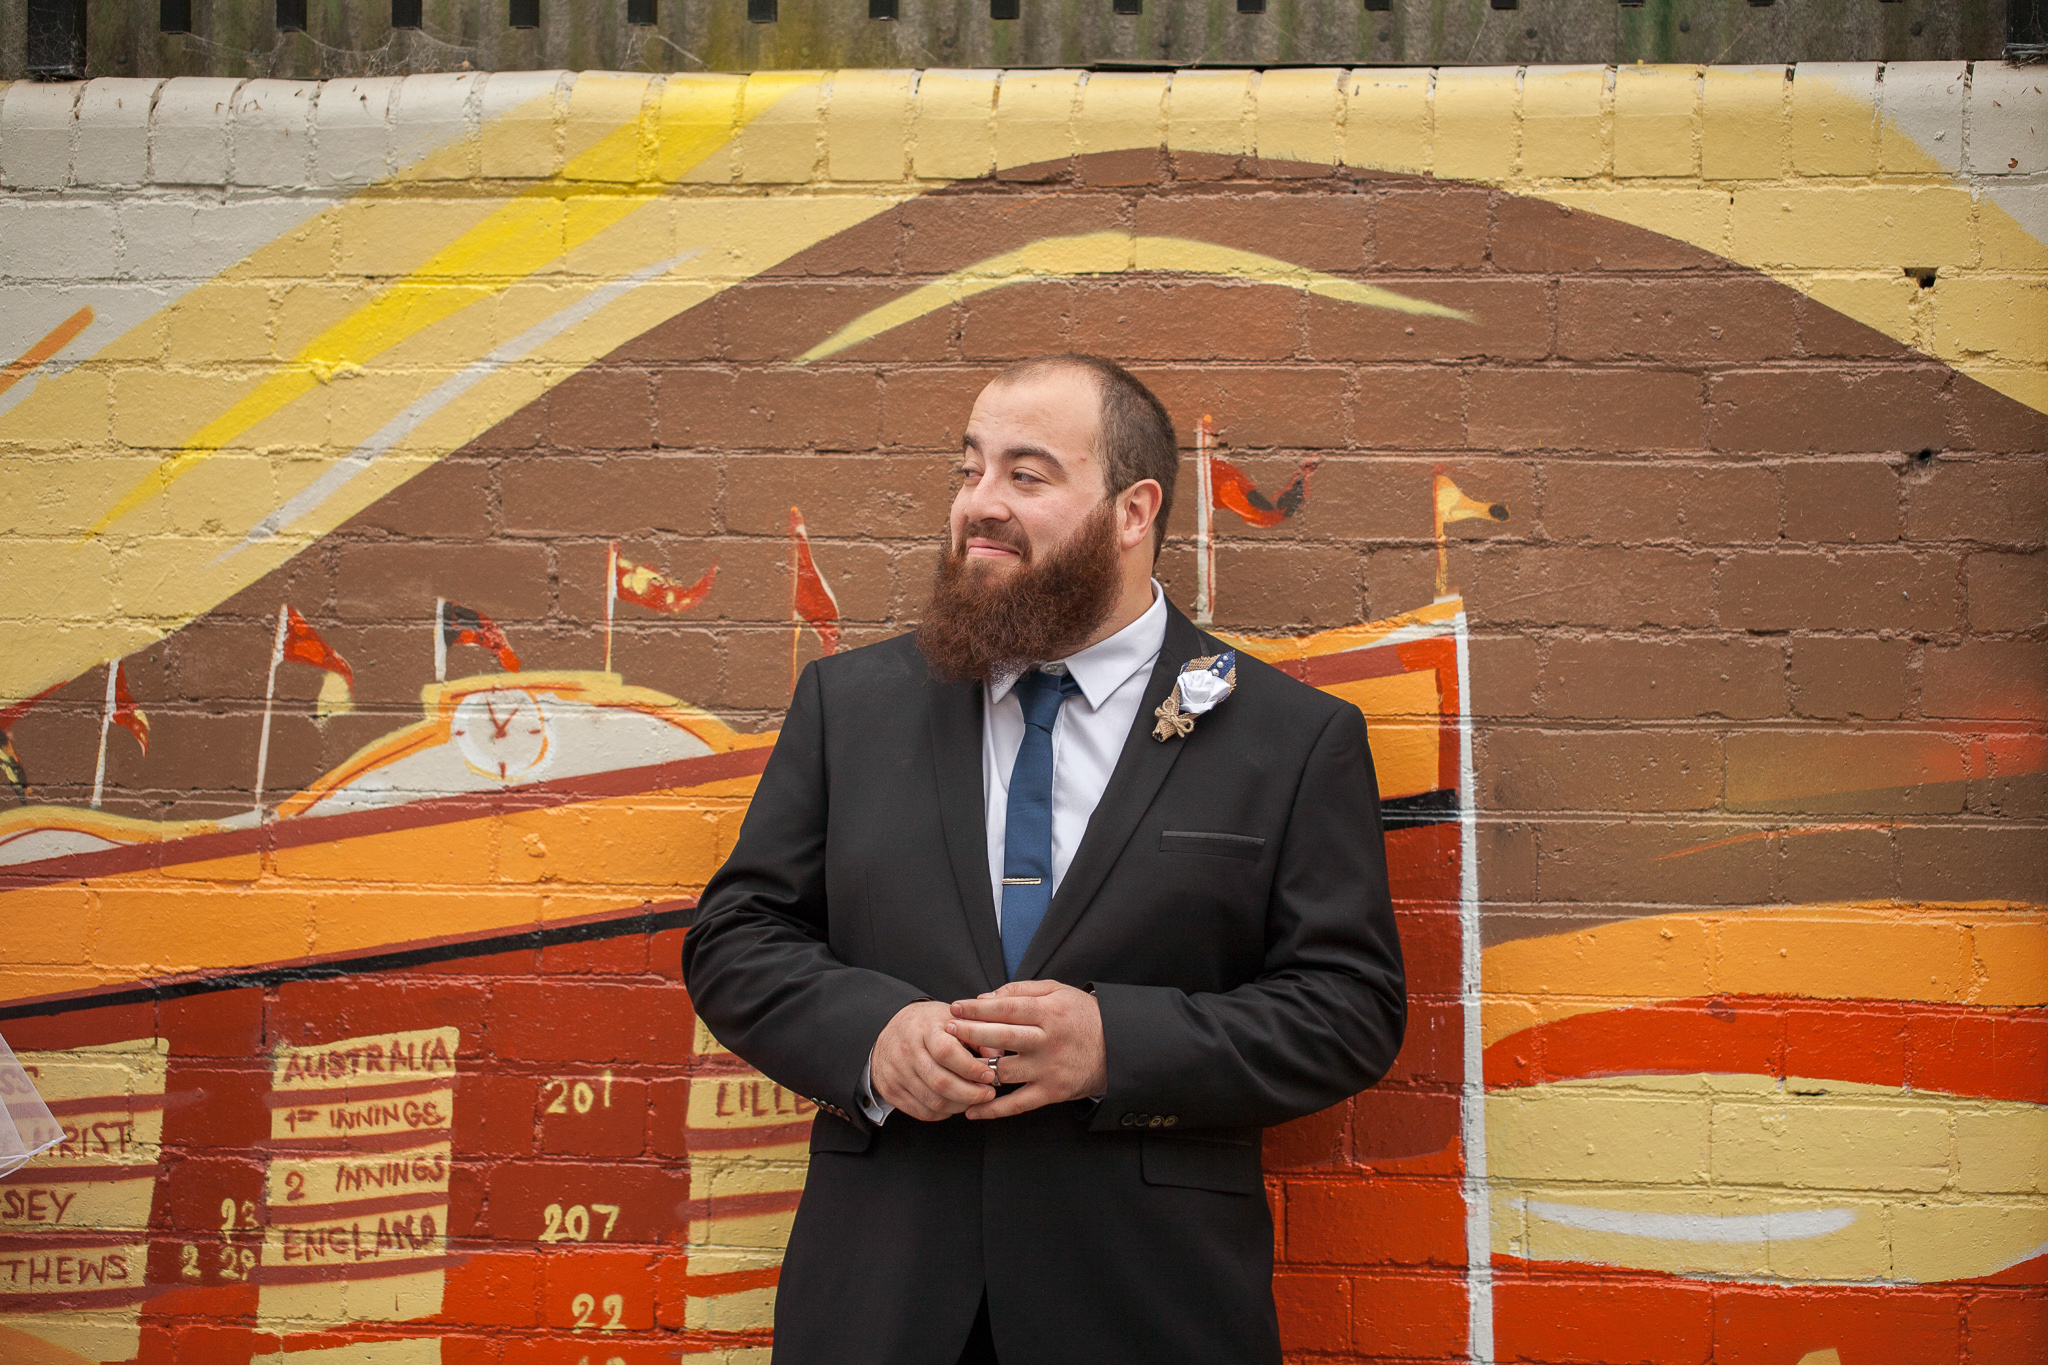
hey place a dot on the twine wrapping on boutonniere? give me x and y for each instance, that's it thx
(1202, 684)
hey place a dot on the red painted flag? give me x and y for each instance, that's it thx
(810, 596)
(656, 591)
(1235, 491)
(461, 626)
(303, 644)
(127, 714)
(14, 713)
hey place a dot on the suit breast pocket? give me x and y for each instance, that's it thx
(1213, 843)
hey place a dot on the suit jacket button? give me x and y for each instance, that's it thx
(1172, 1119)
(1129, 1119)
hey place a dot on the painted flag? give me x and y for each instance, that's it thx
(1232, 489)
(810, 596)
(1453, 505)
(656, 591)
(303, 645)
(461, 626)
(127, 714)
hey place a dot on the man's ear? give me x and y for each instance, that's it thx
(1137, 507)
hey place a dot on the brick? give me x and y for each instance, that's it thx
(272, 132)
(567, 1021)
(1834, 118)
(1996, 502)
(1121, 128)
(1829, 313)
(1626, 588)
(1035, 116)
(1791, 412)
(430, 125)
(2008, 591)
(380, 582)
(1628, 503)
(352, 130)
(449, 501)
(1139, 321)
(650, 1202)
(1580, 1321)
(2007, 1326)
(1985, 680)
(1386, 498)
(1315, 1311)
(1815, 225)
(1972, 862)
(494, 1114)
(1745, 122)
(1386, 119)
(1209, 123)
(779, 141)
(188, 134)
(1576, 409)
(518, 114)
(1474, 129)
(1995, 424)
(1626, 862)
(773, 409)
(1017, 322)
(37, 122)
(2005, 115)
(953, 133)
(1656, 120)
(1563, 136)
(1419, 408)
(850, 496)
(1716, 318)
(1651, 679)
(1876, 772)
(1295, 406)
(1855, 501)
(595, 1274)
(1837, 678)
(1856, 1322)
(1508, 319)
(112, 146)
(867, 121)
(1549, 770)
(1921, 123)
(1860, 590)
(70, 241)
(1529, 234)
(603, 408)
(1409, 1316)
(1295, 122)
(946, 232)
(1434, 228)
(1375, 1222)
(1329, 232)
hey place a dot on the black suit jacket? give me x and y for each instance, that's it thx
(1228, 906)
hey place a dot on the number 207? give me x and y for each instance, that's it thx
(573, 1224)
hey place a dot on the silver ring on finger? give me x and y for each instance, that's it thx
(992, 1063)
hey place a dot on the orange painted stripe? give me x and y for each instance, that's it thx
(58, 338)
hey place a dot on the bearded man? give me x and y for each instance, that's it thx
(1051, 907)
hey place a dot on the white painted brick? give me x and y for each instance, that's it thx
(521, 113)
(113, 132)
(57, 241)
(1921, 104)
(273, 132)
(352, 130)
(188, 132)
(2008, 120)
(433, 112)
(36, 123)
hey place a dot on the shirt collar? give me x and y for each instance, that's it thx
(1106, 665)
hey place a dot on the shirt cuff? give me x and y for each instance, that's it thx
(877, 1110)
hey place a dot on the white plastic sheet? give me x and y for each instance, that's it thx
(26, 1127)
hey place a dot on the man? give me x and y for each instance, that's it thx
(1046, 973)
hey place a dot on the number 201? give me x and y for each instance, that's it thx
(579, 1095)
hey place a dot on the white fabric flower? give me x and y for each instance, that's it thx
(1201, 689)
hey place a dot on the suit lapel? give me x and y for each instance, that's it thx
(956, 773)
(1140, 771)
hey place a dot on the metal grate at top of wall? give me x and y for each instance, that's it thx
(66, 39)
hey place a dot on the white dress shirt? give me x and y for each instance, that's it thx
(1087, 739)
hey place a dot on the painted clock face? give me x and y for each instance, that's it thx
(503, 733)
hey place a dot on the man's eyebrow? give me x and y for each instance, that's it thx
(1038, 452)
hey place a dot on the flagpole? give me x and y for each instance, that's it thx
(1205, 607)
(269, 696)
(611, 598)
(796, 617)
(99, 771)
(440, 639)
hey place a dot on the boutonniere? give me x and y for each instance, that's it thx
(1203, 683)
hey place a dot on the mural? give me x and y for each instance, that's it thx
(403, 601)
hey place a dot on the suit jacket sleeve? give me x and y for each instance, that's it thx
(758, 962)
(1325, 1016)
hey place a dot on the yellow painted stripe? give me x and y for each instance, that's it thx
(1108, 253)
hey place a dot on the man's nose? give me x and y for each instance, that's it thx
(982, 500)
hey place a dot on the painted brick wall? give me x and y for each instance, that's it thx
(406, 483)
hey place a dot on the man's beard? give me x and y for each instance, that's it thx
(986, 623)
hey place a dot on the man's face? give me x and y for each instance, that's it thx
(1029, 472)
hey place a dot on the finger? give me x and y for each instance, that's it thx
(958, 1060)
(999, 1037)
(1020, 1101)
(1013, 1009)
(1015, 988)
(949, 1088)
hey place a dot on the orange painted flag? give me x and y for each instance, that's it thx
(127, 714)
(810, 596)
(1235, 491)
(304, 645)
(642, 586)
(462, 626)
(1453, 505)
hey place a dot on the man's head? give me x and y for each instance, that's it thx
(1066, 476)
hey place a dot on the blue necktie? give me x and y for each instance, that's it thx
(1027, 827)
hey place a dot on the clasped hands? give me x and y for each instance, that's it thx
(933, 1060)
